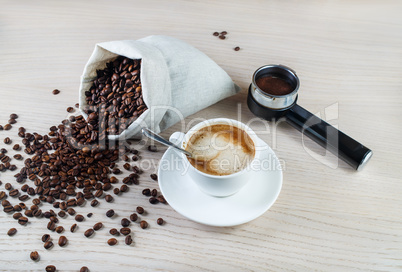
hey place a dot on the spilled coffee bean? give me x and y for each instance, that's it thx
(112, 242)
(34, 256)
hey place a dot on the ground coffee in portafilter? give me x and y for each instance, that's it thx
(274, 85)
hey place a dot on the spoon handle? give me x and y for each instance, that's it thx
(150, 134)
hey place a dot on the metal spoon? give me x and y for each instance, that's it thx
(152, 135)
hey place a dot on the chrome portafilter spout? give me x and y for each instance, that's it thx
(273, 95)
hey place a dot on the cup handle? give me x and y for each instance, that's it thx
(176, 138)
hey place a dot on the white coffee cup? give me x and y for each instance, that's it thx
(215, 185)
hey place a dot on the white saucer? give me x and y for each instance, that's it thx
(184, 196)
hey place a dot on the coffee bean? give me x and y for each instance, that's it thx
(17, 215)
(56, 91)
(123, 188)
(45, 238)
(23, 198)
(159, 221)
(216, 33)
(116, 191)
(144, 224)
(1, 127)
(18, 157)
(63, 241)
(127, 166)
(61, 214)
(89, 232)
(128, 240)
(8, 186)
(79, 218)
(162, 199)
(98, 226)
(154, 176)
(7, 127)
(94, 203)
(59, 229)
(125, 231)
(152, 148)
(135, 158)
(12, 121)
(50, 268)
(73, 228)
(51, 225)
(7, 140)
(112, 242)
(71, 211)
(110, 213)
(140, 210)
(84, 269)
(14, 193)
(89, 215)
(16, 147)
(236, 48)
(125, 158)
(109, 198)
(125, 222)
(22, 220)
(12, 232)
(114, 232)
(146, 192)
(133, 217)
(224, 33)
(70, 109)
(222, 37)
(153, 200)
(2, 195)
(48, 245)
(34, 256)
(154, 192)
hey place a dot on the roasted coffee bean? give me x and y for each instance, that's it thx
(7, 127)
(56, 91)
(73, 228)
(70, 109)
(109, 198)
(2, 195)
(133, 217)
(110, 213)
(79, 218)
(114, 232)
(22, 220)
(54, 219)
(154, 176)
(146, 192)
(12, 167)
(224, 33)
(59, 229)
(127, 166)
(89, 232)
(125, 222)
(5, 202)
(116, 191)
(8, 186)
(161, 199)
(51, 225)
(34, 256)
(89, 215)
(112, 242)
(13, 116)
(17, 208)
(16, 147)
(159, 221)
(236, 48)
(48, 245)
(144, 224)
(12, 232)
(7, 140)
(1, 127)
(12, 121)
(98, 226)
(153, 200)
(50, 268)
(14, 193)
(63, 241)
(140, 210)
(70, 211)
(45, 238)
(216, 34)
(152, 148)
(128, 240)
(17, 215)
(222, 37)
(23, 198)
(135, 158)
(94, 203)
(125, 158)
(84, 269)
(125, 231)
(61, 214)
(123, 188)
(154, 192)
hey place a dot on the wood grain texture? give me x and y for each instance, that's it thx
(348, 56)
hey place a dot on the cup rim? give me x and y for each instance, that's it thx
(210, 122)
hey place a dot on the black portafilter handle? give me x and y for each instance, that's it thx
(275, 106)
(346, 148)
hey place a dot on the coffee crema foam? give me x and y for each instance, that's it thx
(220, 149)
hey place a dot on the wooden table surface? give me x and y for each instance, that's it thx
(348, 56)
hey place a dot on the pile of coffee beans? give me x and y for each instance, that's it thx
(74, 163)
(115, 98)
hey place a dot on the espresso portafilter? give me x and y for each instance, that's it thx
(273, 107)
